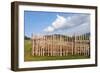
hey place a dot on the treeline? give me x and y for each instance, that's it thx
(26, 38)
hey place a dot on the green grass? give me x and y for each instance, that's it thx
(28, 55)
(43, 58)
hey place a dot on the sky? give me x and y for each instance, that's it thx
(39, 22)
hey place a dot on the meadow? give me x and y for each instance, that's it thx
(28, 54)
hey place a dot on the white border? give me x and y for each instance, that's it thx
(23, 64)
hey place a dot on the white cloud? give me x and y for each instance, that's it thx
(81, 29)
(59, 22)
(75, 23)
(49, 29)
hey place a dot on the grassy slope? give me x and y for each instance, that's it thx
(28, 56)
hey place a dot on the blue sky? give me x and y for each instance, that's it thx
(36, 22)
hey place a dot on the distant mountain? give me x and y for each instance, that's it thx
(26, 38)
(88, 34)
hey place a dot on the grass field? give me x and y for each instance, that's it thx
(28, 55)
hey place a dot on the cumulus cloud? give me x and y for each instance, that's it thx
(81, 29)
(76, 22)
(57, 24)
(49, 29)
